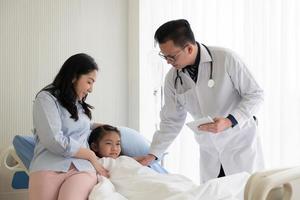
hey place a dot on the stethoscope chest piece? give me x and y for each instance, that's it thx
(210, 83)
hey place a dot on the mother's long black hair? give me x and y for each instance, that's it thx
(62, 87)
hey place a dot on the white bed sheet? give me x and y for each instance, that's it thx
(130, 180)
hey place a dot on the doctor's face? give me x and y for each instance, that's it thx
(174, 55)
(84, 84)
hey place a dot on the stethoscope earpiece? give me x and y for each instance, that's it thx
(210, 83)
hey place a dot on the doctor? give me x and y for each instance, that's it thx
(208, 81)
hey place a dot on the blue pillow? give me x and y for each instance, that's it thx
(24, 146)
(132, 142)
(135, 144)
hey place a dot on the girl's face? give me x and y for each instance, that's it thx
(84, 84)
(109, 145)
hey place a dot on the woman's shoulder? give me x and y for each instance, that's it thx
(45, 95)
(45, 98)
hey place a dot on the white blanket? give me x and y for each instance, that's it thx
(130, 180)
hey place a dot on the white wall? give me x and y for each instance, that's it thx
(133, 65)
(37, 36)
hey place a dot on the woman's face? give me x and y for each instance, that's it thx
(84, 84)
(109, 145)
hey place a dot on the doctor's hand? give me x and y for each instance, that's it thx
(220, 124)
(145, 160)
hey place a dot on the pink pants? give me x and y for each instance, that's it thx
(51, 185)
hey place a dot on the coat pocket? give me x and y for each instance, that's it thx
(189, 101)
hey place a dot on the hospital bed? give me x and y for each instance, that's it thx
(267, 185)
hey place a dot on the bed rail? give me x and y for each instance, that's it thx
(272, 184)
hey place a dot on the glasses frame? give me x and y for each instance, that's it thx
(171, 58)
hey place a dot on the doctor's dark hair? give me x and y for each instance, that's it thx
(98, 133)
(179, 31)
(63, 88)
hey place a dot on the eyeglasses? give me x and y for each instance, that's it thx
(170, 58)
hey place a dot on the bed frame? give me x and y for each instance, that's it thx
(11, 160)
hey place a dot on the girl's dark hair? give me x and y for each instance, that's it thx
(62, 87)
(98, 133)
(179, 31)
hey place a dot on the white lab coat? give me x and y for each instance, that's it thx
(235, 92)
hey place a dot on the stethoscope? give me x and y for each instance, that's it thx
(210, 82)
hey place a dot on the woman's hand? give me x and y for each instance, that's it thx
(100, 169)
(85, 153)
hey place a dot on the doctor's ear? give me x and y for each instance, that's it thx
(190, 48)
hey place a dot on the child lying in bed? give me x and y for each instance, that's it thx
(130, 180)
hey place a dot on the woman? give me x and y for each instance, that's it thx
(63, 167)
